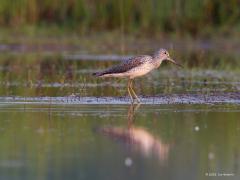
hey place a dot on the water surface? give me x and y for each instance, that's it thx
(111, 142)
(59, 122)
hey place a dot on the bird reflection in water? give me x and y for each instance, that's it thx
(138, 138)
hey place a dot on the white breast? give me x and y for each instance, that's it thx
(140, 70)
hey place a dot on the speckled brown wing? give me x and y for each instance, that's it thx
(125, 66)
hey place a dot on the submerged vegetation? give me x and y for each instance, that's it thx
(194, 17)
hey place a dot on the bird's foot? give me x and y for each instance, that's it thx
(136, 100)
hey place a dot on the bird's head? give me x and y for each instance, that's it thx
(162, 55)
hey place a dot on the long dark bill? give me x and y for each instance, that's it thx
(174, 62)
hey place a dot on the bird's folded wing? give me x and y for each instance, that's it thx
(128, 64)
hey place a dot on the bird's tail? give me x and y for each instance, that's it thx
(98, 74)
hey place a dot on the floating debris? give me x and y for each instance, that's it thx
(196, 128)
(211, 155)
(128, 162)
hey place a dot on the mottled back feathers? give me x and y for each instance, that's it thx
(125, 65)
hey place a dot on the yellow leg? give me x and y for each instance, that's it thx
(131, 112)
(129, 92)
(134, 94)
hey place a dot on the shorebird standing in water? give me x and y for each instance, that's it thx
(135, 67)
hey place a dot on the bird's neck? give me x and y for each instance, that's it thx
(157, 61)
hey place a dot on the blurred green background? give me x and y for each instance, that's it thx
(150, 17)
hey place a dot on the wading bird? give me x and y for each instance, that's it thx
(135, 67)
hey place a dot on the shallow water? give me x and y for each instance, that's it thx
(59, 122)
(111, 142)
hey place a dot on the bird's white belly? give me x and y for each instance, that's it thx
(140, 70)
(134, 72)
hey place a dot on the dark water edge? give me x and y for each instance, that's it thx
(211, 98)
